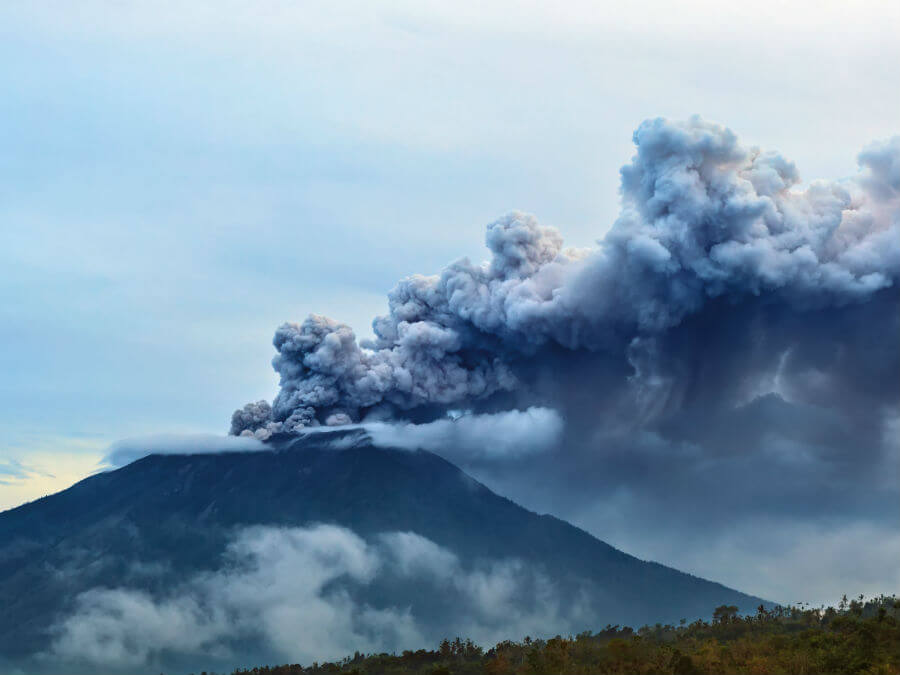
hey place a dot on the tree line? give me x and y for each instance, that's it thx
(858, 636)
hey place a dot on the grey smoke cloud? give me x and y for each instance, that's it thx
(726, 355)
(704, 221)
(302, 593)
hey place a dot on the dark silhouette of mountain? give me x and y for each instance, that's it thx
(177, 513)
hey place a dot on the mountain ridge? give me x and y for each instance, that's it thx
(178, 512)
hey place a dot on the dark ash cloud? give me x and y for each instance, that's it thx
(705, 222)
(726, 354)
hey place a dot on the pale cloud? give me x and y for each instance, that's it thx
(463, 437)
(300, 593)
(468, 437)
(128, 450)
(54, 464)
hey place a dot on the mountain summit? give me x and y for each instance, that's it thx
(404, 545)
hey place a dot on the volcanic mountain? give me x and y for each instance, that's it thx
(159, 528)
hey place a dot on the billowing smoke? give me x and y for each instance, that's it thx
(727, 355)
(707, 226)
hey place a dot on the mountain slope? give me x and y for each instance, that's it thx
(162, 518)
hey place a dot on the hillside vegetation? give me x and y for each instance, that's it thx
(856, 637)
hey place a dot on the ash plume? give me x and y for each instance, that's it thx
(720, 270)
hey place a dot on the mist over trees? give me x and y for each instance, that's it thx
(858, 636)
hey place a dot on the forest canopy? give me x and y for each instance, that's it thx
(859, 636)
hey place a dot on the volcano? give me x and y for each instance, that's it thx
(151, 525)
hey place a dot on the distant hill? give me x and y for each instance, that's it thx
(176, 514)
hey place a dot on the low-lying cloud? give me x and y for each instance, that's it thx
(460, 436)
(300, 594)
(472, 437)
(128, 450)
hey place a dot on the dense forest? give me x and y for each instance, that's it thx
(858, 636)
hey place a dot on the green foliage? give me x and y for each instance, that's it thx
(857, 637)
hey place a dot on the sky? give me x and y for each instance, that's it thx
(177, 182)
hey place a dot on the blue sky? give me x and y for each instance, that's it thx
(175, 183)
